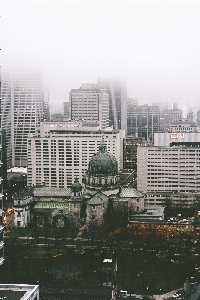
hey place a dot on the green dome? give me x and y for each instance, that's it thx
(102, 163)
(76, 186)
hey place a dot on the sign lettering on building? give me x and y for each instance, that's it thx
(177, 135)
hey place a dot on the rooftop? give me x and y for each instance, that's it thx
(52, 192)
(28, 191)
(62, 292)
(130, 193)
(51, 205)
(18, 291)
(98, 198)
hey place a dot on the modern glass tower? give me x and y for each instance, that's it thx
(117, 91)
(22, 110)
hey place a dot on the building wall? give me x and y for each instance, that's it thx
(164, 139)
(96, 213)
(117, 91)
(130, 145)
(143, 121)
(64, 155)
(168, 170)
(1, 190)
(90, 105)
(22, 111)
(22, 211)
(66, 106)
(198, 118)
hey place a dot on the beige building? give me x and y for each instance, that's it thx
(62, 151)
(90, 104)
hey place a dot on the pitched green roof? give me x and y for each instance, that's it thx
(51, 205)
(130, 193)
(98, 198)
(52, 192)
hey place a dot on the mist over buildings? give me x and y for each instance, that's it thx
(153, 45)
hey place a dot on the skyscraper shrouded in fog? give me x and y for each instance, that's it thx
(23, 107)
(117, 91)
(1, 190)
(90, 104)
(143, 121)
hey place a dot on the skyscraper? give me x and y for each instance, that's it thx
(1, 191)
(22, 111)
(117, 91)
(143, 121)
(90, 104)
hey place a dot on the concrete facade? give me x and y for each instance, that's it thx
(23, 108)
(170, 168)
(90, 105)
(62, 153)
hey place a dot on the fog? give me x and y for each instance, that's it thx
(153, 45)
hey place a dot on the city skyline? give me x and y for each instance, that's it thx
(153, 45)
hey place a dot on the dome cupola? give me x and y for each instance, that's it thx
(102, 173)
(102, 163)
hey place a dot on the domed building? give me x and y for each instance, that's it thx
(88, 204)
(102, 184)
(102, 173)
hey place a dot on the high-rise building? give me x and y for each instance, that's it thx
(1, 190)
(46, 106)
(143, 121)
(130, 152)
(62, 151)
(90, 104)
(66, 109)
(117, 91)
(166, 115)
(22, 110)
(171, 167)
(198, 118)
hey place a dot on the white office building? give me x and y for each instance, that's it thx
(62, 151)
(170, 168)
(22, 111)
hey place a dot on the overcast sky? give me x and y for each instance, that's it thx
(154, 45)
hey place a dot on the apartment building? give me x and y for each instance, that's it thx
(62, 151)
